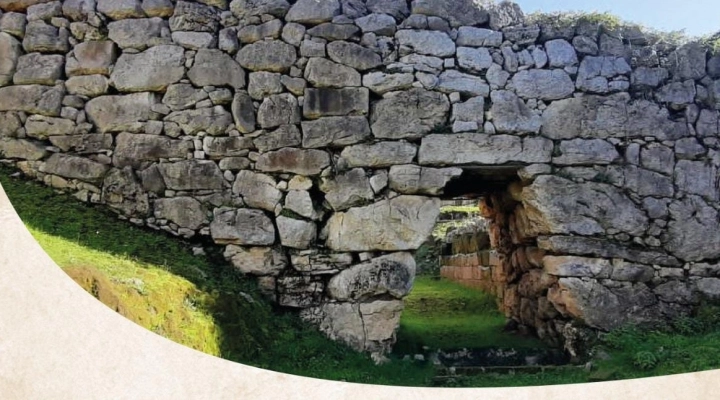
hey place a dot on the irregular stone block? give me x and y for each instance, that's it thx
(192, 175)
(296, 233)
(335, 132)
(194, 17)
(379, 155)
(457, 12)
(182, 96)
(215, 68)
(469, 85)
(220, 147)
(32, 99)
(606, 249)
(347, 190)
(242, 227)
(431, 43)
(19, 5)
(152, 70)
(138, 33)
(10, 51)
(83, 144)
(313, 12)
(272, 55)
(38, 69)
(333, 32)
(335, 102)
(511, 115)
(324, 73)
(121, 113)
(93, 57)
(284, 136)
(314, 263)
(392, 274)
(566, 266)
(401, 223)
(184, 211)
(586, 152)
(381, 83)
(543, 84)
(40, 127)
(212, 120)
(409, 115)
(277, 110)
(260, 261)
(481, 149)
(263, 84)
(243, 113)
(74, 167)
(257, 190)
(478, 37)
(44, 38)
(353, 55)
(21, 149)
(379, 24)
(475, 60)
(296, 161)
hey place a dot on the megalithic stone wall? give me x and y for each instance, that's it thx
(314, 138)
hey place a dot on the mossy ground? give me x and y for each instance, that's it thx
(200, 302)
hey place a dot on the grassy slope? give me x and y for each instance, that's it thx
(154, 280)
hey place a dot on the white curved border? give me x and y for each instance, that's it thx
(59, 342)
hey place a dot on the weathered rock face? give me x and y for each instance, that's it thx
(314, 140)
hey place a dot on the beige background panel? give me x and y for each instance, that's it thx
(59, 342)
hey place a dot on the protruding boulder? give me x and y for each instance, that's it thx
(257, 190)
(216, 68)
(74, 167)
(139, 33)
(184, 211)
(296, 161)
(259, 261)
(457, 12)
(313, 12)
(192, 175)
(296, 233)
(392, 274)
(38, 69)
(152, 70)
(211, 120)
(347, 190)
(33, 99)
(273, 55)
(121, 113)
(10, 51)
(401, 223)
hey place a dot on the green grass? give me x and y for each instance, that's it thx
(442, 314)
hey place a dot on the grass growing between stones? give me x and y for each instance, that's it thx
(441, 314)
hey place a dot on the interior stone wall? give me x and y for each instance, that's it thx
(313, 139)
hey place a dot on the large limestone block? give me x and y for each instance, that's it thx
(121, 113)
(267, 55)
(33, 99)
(184, 211)
(136, 149)
(697, 177)
(83, 144)
(296, 233)
(139, 33)
(409, 114)
(347, 190)
(401, 223)
(688, 61)
(90, 58)
(478, 37)
(353, 55)
(335, 131)
(216, 68)
(469, 85)
(412, 179)
(392, 274)
(381, 83)
(121, 9)
(457, 12)
(257, 190)
(314, 262)
(482, 149)
(242, 227)
(397, 8)
(74, 167)
(40, 127)
(259, 261)
(232, 146)
(44, 38)
(605, 249)
(182, 96)
(602, 307)
(192, 175)
(152, 70)
(543, 84)
(379, 155)
(283, 136)
(586, 152)
(277, 110)
(313, 12)
(10, 51)
(325, 73)
(10, 123)
(571, 266)
(22, 149)
(430, 43)
(38, 69)
(211, 120)
(615, 116)
(78, 10)
(511, 115)
(296, 161)
(474, 59)
(87, 85)
(692, 231)
(362, 326)
(557, 205)
(243, 113)
(328, 102)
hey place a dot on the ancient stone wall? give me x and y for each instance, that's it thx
(313, 139)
